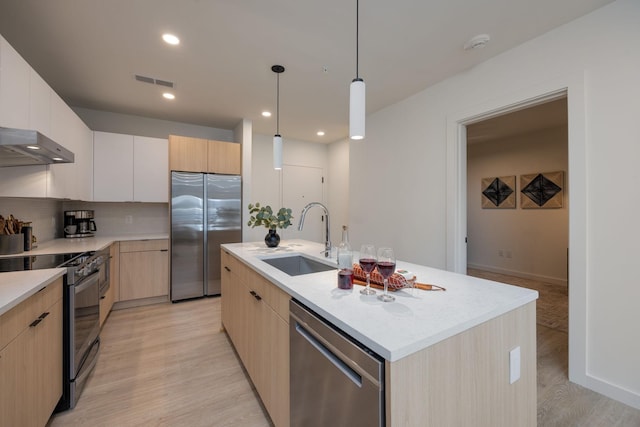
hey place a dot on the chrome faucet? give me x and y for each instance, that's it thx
(327, 240)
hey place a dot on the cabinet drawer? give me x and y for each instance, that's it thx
(233, 264)
(256, 282)
(278, 300)
(143, 245)
(19, 317)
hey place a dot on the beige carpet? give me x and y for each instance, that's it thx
(553, 303)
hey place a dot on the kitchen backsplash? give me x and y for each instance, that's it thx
(125, 218)
(46, 216)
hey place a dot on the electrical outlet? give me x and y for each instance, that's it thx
(514, 365)
(508, 254)
(500, 252)
(128, 219)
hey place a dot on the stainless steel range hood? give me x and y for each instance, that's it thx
(20, 147)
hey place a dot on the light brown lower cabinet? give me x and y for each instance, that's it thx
(253, 317)
(31, 359)
(144, 269)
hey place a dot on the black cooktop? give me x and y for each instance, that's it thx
(35, 262)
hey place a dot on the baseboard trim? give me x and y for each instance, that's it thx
(546, 279)
(612, 391)
(139, 302)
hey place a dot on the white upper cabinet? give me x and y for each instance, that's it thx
(70, 180)
(150, 169)
(112, 167)
(20, 181)
(14, 88)
(130, 168)
(27, 102)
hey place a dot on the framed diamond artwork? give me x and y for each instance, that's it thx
(499, 192)
(542, 190)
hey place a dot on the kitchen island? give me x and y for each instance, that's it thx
(447, 354)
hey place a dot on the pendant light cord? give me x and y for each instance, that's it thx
(277, 69)
(278, 104)
(357, 34)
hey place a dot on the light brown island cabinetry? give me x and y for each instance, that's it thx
(188, 154)
(144, 272)
(255, 314)
(460, 381)
(31, 359)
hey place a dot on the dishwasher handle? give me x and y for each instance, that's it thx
(328, 354)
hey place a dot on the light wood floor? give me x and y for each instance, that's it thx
(166, 365)
(170, 365)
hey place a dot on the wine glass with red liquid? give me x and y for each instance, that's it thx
(386, 266)
(367, 262)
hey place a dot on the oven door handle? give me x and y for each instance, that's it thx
(87, 282)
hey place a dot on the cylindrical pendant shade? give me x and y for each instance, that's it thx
(277, 152)
(357, 109)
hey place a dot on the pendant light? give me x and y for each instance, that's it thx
(357, 105)
(277, 139)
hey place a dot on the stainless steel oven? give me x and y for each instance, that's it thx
(85, 276)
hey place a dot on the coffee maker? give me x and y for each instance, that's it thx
(79, 224)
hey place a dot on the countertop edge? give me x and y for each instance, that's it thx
(26, 291)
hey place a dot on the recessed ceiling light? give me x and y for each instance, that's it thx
(266, 114)
(57, 159)
(168, 95)
(170, 39)
(33, 147)
(320, 133)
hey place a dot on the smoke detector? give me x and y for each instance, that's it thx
(477, 42)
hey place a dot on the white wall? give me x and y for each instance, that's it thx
(533, 242)
(402, 199)
(338, 187)
(266, 183)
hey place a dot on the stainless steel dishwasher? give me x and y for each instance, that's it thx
(335, 381)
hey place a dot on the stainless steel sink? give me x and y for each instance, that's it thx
(297, 265)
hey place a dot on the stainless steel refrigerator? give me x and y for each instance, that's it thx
(205, 212)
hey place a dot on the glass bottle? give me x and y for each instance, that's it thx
(345, 261)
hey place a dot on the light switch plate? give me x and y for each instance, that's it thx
(514, 365)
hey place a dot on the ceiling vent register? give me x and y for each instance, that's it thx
(153, 81)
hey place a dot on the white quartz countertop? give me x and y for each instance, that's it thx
(17, 286)
(416, 320)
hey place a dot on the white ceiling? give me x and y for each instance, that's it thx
(89, 51)
(542, 116)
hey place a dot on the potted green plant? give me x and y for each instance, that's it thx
(264, 216)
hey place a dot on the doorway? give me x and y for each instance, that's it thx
(571, 86)
(517, 209)
(510, 239)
